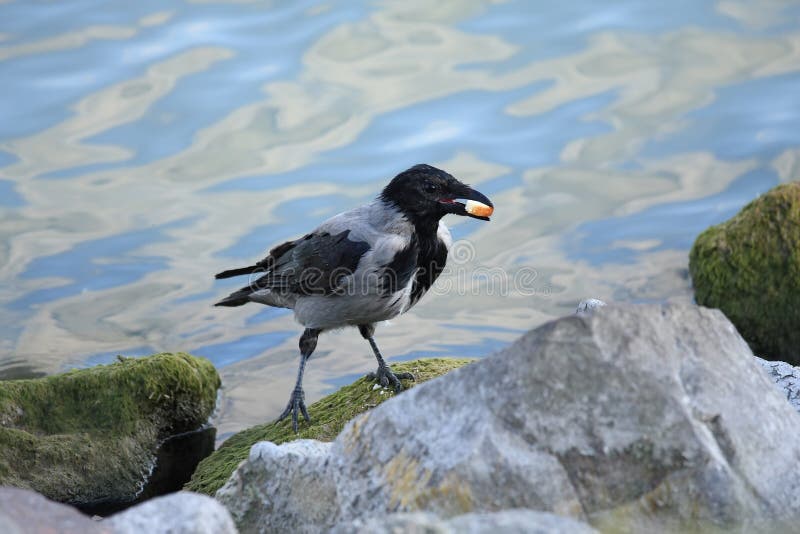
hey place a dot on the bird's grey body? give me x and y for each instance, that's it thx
(362, 266)
(361, 295)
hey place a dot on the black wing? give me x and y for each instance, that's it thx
(311, 265)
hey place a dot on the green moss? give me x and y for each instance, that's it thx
(91, 434)
(749, 267)
(328, 417)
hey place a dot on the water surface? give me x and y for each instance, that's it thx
(145, 146)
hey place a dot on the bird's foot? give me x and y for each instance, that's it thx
(384, 376)
(297, 404)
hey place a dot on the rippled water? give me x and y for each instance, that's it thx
(146, 145)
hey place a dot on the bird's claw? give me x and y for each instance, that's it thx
(384, 376)
(297, 403)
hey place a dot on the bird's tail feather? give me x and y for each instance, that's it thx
(236, 272)
(237, 298)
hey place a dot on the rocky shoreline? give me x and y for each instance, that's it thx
(619, 418)
(635, 418)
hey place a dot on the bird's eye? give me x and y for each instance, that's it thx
(431, 187)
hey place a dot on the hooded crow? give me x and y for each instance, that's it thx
(362, 266)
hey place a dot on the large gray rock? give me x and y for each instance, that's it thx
(177, 513)
(505, 522)
(635, 419)
(785, 376)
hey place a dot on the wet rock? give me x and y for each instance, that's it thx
(506, 522)
(749, 267)
(177, 513)
(640, 418)
(328, 417)
(89, 436)
(27, 512)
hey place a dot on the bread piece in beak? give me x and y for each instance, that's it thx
(463, 200)
(478, 209)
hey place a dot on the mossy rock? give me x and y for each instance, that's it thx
(328, 417)
(749, 267)
(90, 435)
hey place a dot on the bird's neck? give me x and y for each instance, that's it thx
(425, 226)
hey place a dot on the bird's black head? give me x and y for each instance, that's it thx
(426, 194)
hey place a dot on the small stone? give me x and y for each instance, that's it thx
(786, 379)
(24, 511)
(589, 306)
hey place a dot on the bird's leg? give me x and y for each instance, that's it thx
(384, 375)
(308, 342)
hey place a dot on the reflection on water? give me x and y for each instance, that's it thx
(145, 146)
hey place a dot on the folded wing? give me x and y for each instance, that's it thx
(315, 264)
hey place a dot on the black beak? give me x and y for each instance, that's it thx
(477, 205)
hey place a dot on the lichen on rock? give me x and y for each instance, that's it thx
(90, 435)
(749, 267)
(328, 417)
